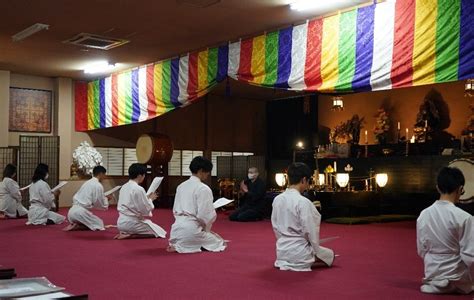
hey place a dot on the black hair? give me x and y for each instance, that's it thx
(449, 180)
(40, 172)
(200, 163)
(9, 171)
(135, 170)
(298, 171)
(98, 170)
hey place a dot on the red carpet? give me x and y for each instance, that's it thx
(377, 261)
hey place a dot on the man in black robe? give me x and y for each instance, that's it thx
(251, 200)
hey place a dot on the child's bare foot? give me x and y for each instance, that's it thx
(122, 236)
(170, 249)
(76, 227)
(70, 227)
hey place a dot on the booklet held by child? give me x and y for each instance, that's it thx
(59, 186)
(111, 191)
(221, 202)
(155, 184)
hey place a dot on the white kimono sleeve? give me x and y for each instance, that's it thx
(466, 242)
(14, 189)
(101, 201)
(141, 203)
(310, 223)
(206, 214)
(419, 240)
(47, 196)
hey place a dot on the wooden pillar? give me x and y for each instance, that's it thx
(4, 107)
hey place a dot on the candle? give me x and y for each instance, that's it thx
(426, 123)
(406, 131)
(335, 167)
(366, 137)
(398, 126)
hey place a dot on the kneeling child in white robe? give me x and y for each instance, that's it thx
(42, 200)
(296, 224)
(445, 239)
(10, 195)
(135, 207)
(194, 213)
(90, 196)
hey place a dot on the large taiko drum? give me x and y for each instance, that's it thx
(154, 149)
(467, 168)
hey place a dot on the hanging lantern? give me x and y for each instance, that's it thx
(337, 103)
(469, 88)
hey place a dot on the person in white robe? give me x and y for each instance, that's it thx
(296, 224)
(135, 207)
(10, 195)
(194, 213)
(445, 239)
(90, 196)
(42, 200)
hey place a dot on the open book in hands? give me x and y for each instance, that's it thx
(221, 202)
(59, 186)
(25, 187)
(111, 191)
(155, 184)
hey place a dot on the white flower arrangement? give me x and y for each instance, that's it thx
(86, 157)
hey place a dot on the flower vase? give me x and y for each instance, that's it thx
(82, 173)
(73, 171)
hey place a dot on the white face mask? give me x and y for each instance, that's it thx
(46, 177)
(252, 176)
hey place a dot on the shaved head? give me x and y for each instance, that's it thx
(253, 170)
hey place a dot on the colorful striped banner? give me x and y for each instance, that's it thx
(381, 46)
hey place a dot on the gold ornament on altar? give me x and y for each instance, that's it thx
(329, 169)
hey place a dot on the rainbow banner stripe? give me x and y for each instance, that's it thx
(381, 46)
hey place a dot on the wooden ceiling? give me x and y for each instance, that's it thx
(157, 29)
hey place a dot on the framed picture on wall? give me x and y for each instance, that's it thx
(30, 110)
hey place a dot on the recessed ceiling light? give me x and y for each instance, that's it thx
(322, 5)
(99, 67)
(29, 31)
(302, 5)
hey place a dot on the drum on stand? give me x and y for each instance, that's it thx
(466, 166)
(156, 150)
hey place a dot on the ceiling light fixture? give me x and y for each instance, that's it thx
(323, 6)
(99, 67)
(29, 31)
(302, 5)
